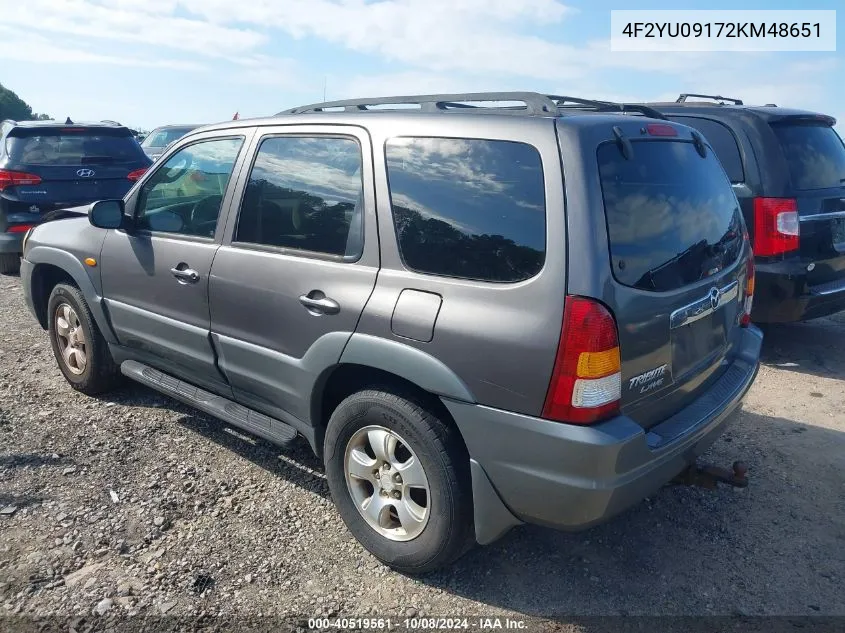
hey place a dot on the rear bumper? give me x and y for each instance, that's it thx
(569, 477)
(783, 298)
(11, 242)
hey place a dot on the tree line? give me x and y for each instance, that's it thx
(15, 108)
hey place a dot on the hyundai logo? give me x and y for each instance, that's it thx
(85, 173)
(715, 297)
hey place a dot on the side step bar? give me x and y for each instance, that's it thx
(235, 414)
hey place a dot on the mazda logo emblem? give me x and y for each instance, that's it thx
(715, 297)
(85, 173)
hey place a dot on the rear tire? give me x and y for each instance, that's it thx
(417, 524)
(10, 263)
(80, 349)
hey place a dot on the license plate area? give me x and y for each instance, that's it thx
(698, 343)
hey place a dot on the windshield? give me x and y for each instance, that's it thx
(59, 147)
(163, 138)
(672, 217)
(814, 153)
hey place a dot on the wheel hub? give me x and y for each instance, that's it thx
(387, 483)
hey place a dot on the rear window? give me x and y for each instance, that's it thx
(468, 208)
(56, 147)
(163, 138)
(723, 142)
(672, 217)
(814, 153)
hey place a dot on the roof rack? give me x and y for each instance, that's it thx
(110, 121)
(686, 95)
(536, 104)
(606, 106)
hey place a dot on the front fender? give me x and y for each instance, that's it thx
(39, 255)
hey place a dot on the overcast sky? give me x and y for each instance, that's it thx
(151, 62)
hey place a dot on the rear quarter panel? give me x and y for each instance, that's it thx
(500, 339)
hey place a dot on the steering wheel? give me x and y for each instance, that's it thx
(204, 215)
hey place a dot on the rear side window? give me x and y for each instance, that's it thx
(672, 216)
(814, 153)
(723, 142)
(83, 147)
(468, 208)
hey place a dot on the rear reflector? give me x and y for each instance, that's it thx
(776, 226)
(135, 175)
(10, 178)
(19, 228)
(661, 129)
(745, 319)
(586, 383)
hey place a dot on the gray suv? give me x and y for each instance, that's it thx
(488, 311)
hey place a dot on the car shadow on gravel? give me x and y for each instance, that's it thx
(777, 547)
(295, 463)
(814, 347)
(33, 460)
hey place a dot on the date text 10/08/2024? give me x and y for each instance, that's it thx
(416, 624)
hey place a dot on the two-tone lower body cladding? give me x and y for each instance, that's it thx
(569, 477)
(785, 292)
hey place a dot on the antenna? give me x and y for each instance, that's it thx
(325, 82)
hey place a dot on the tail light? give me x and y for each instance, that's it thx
(10, 178)
(661, 129)
(135, 175)
(776, 228)
(19, 228)
(586, 383)
(745, 319)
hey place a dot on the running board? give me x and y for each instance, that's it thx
(235, 414)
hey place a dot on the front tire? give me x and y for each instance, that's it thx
(80, 349)
(399, 476)
(10, 263)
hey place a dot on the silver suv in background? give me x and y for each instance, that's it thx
(484, 312)
(160, 138)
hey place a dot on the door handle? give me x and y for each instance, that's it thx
(323, 305)
(185, 275)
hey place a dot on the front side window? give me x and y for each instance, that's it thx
(185, 194)
(468, 208)
(305, 194)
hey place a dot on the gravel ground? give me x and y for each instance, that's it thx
(135, 504)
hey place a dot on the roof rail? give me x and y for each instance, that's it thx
(606, 106)
(536, 104)
(684, 96)
(109, 121)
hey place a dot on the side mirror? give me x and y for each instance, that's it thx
(106, 214)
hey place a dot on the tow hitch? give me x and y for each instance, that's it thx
(708, 476)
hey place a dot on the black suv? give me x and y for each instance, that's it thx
(788, 171)
(48, 165)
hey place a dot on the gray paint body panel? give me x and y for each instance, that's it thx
(415, 315)
(273, 382)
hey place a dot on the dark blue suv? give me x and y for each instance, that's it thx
(47, 165)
